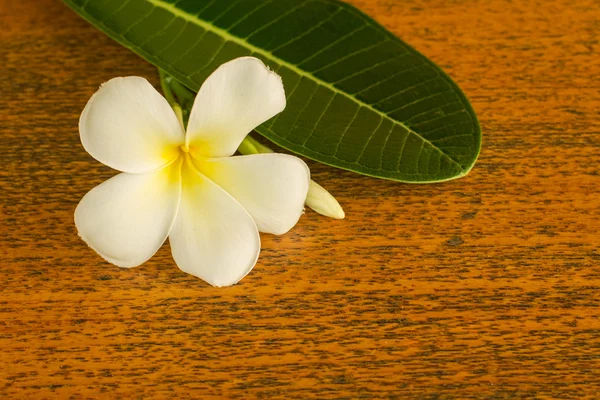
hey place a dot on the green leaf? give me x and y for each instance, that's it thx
(358, 97)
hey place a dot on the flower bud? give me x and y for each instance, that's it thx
(321, 201)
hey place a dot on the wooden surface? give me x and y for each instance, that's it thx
(483, 287)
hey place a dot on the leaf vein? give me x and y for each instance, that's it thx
(185, 53)
(330, 45)
(155, 34)
(419, 100)
(308, 31)
(384, 145)
(347, 56)
(438, 117)
(419, 154)
(369, 139)
(303, 108)
(337, 146)
(392, 76)
(451, 137)
(402, 151)
(406, 89)
(245, 17)
(320, 117)
(273, 21)
(160, 53)
(139, 21)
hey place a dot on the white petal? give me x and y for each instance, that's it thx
(271, 187)
(213, 237)
(240, 95)
(130, 127)
(127, 218)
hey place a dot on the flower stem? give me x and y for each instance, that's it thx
(247, 147)
(166, 88)
(179, 114)
(254, 146)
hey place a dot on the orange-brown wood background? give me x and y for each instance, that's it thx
(483, 287)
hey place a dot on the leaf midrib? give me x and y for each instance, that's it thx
(228, 36)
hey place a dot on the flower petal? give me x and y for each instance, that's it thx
(130, 127)
(213, 237)
(240, 95)
(127, 218)
(271, 187)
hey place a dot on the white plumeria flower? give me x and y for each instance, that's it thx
(185, 186)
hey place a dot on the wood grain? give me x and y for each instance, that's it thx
(484, 287)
